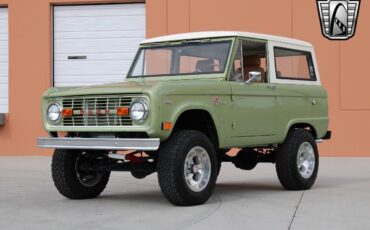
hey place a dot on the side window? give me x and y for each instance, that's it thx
(294, 64)
(250, 57)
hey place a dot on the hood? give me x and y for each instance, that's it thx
(125, 87)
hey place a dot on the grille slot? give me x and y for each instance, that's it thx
(96, 111)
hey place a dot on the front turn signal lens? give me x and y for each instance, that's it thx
(122, 111)
(167, 125)
(67, 112)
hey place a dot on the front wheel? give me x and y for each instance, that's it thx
(187, 168)
(73, 177)
(297, 160)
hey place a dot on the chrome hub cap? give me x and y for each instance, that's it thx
(197, 169)
(306, 160)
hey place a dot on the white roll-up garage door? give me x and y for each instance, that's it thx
(4, 73)
(95, 44)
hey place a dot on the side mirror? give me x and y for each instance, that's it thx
(254, 76)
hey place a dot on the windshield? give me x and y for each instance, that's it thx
(187, 58)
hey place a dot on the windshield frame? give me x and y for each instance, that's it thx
(229, 40)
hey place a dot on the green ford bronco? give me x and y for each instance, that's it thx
(186, 101)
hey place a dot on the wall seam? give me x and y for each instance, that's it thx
(167, 17)
(189, 15)
(291, 18)
(340, 76)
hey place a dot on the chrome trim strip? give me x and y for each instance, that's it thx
(144, 144)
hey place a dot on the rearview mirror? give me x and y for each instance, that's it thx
(254, 76)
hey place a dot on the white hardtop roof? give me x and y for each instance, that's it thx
(216, 34)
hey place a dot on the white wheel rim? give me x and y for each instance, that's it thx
(306, 160)
(197, 169)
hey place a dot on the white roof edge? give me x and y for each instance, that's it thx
(215, 34)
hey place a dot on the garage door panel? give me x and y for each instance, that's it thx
(4, 22)
(80, 81)
(95, 45)
(98, 56)
(92, 42)
(4, 77)
(93, 68)
(4, 27)
(101, 10)
(99, 24)
(3, 90)
(4, 45)
(4, 69)
(4, 13)
(3, 101)
(3, 37)
(79, 84)
(4, 51)
(88, 79)
(3, 58)
(139, 33)
(4, 80)
(4, 108)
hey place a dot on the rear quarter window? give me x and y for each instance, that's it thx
(294, 64)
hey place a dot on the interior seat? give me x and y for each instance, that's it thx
(253, 63)
(204, 66)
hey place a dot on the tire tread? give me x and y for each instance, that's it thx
(286, 158)
(167, 172)
(66, 181)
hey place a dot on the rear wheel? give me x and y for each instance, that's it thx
(297, 160)
(73, 176)
(187, 168)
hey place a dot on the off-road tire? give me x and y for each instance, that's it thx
(219, 165)
(171, 160)
(286, 161)
(65, 177)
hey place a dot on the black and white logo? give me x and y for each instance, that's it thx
(338, 18)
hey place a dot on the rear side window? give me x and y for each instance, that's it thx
(294, 64)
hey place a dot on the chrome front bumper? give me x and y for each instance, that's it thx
(144, 144)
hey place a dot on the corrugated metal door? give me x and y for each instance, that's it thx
(4, 60)
(95, 44)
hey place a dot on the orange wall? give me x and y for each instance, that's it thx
(341, 64)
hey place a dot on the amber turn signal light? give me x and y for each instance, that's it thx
(67, 112)
(122, 111)
(166, 125)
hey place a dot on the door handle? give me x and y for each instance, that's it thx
(77, 57)
(271, 86)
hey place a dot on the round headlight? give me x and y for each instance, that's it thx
(54, 111)
(139, 111)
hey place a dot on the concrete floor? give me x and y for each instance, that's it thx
(254, 199)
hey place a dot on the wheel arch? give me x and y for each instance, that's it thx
(198, 119)
(302, 125)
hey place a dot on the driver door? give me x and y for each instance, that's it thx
(253, 103)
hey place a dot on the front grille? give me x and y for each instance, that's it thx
(96, 111)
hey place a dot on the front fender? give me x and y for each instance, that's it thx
(171, 109)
